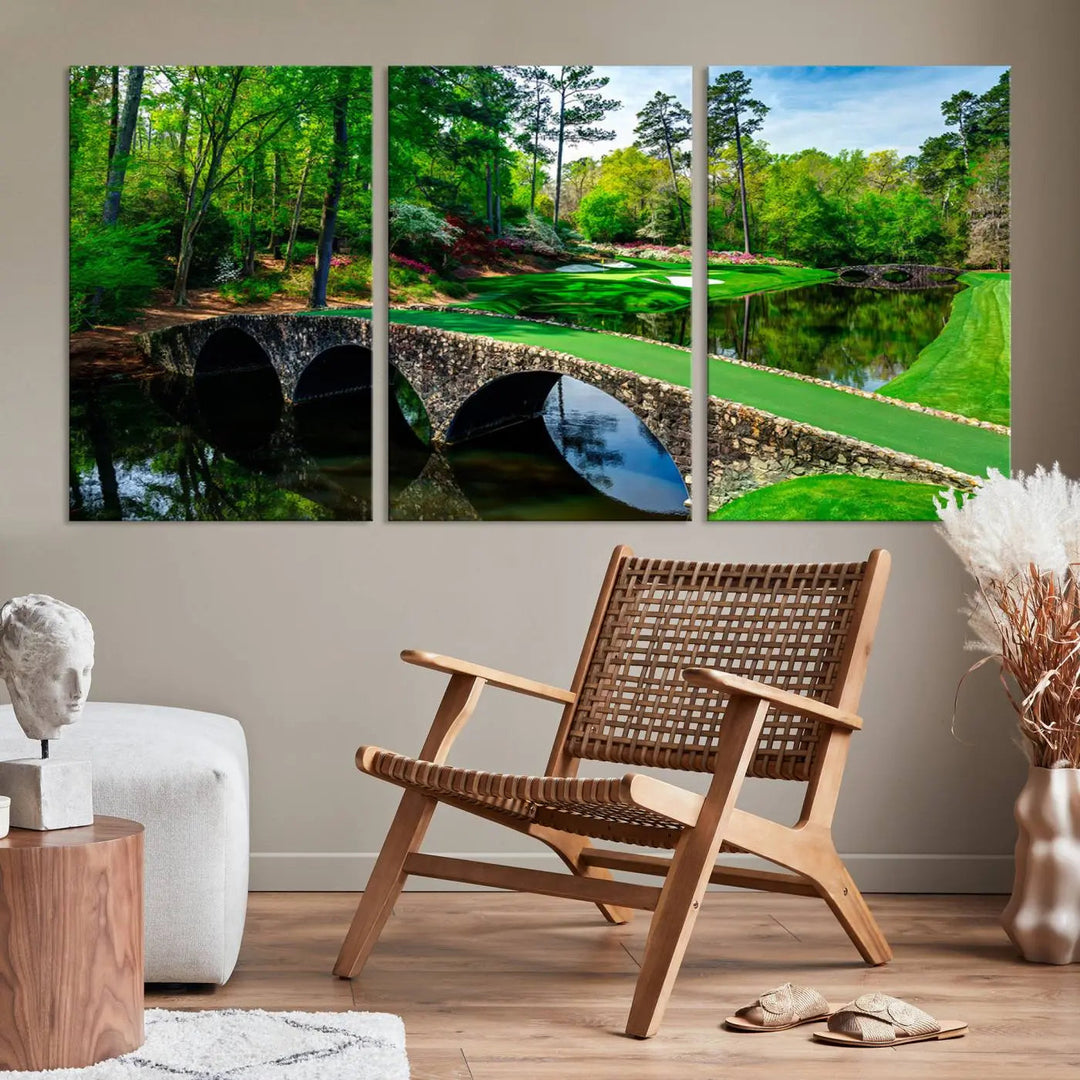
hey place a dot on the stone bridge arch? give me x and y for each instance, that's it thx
(444, 367)
(291, 342)
(447, 368)
(898, 276)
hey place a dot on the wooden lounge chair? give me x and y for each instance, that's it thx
(726, 670)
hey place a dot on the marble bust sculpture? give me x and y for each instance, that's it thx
(46, 657)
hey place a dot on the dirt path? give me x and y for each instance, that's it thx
(107, 350)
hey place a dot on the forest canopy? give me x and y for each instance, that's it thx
(489, 151)
(948, 204)
(250, 178)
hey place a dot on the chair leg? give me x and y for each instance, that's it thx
(386, 882)
(569, 848)
(692, 865)
(839, 891)
(669, 934)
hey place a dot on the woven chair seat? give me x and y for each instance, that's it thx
(594, 807)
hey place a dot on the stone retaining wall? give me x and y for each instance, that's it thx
(749, 448)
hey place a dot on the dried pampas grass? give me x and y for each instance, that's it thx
(1020, 540)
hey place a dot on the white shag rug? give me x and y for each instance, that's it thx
(249, 1044)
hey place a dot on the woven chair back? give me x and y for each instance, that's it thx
(791, 626)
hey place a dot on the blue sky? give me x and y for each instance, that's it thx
(633, 86)
(857, 108)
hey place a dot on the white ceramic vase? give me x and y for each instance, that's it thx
(1043, 914)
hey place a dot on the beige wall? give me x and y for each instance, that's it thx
(295, 628)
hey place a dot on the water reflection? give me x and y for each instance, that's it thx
(669, 326)
(537, 446)
(856, 337)
(220, 448)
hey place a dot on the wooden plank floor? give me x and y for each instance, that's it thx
(495, 985)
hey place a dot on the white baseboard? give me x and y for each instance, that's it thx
(337, 871)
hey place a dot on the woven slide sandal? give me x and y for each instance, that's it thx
(880, 1020)
(785, 1007)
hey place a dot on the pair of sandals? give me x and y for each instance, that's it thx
(870, 1020)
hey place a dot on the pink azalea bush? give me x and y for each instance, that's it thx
(412, 264)
(336, 261)
(737, 258)
(644, 249)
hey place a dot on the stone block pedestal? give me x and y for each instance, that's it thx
(47, 793)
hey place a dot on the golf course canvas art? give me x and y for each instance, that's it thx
(213, 212)
(859, 288)
(539, 277)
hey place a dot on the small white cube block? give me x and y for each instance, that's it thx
(48, 793)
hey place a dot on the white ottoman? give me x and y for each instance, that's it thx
(184, 776)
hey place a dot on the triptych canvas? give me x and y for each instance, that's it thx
(542, 265)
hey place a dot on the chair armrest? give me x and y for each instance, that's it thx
(503, 679)
(800, 704)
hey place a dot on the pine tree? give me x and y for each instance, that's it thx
(733, 115)
(663, 125)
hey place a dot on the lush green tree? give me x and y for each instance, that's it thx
(873, 207)
(581, 176)
(962, 112)
(203, 173)
(579, 108)
(994, 114)
(230, 102)
(663, 126)
(988, 207)
(606, 215)
(120, 149)
(733, 115)
(339, 163)
(537, 119)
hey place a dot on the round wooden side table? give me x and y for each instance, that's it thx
(71, 945)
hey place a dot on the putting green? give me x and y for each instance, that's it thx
(648, 286)
(600, 292)
(948, 442)
(833, 498)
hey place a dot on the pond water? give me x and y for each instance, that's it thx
(536, 447)
(224, 448)
(856, 337)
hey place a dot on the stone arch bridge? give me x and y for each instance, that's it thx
(896, 276)
(444, 367)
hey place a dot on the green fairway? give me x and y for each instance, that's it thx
(959, 446)
(833, 498)
(966, 368)
(645, 357)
